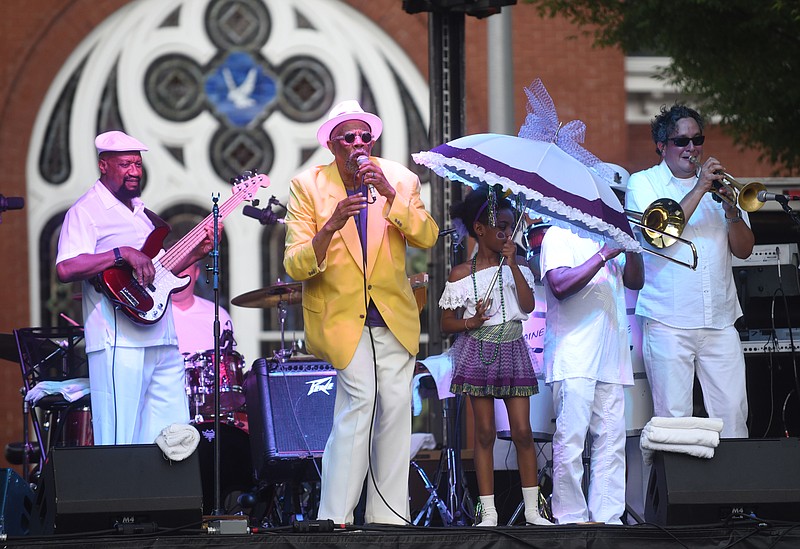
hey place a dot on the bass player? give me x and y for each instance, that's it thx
(136, 373)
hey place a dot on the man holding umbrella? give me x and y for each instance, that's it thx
(587, 361)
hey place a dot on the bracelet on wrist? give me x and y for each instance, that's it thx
(466, 326)
(602, 257)
(730, 220)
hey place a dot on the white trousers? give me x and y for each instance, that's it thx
(585, 407)
(346, 460)
(136, 392)
(673, 356)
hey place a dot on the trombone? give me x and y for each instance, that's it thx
(662, 222)
(743, 196)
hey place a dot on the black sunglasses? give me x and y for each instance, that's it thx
(697, 140)
(350, 137)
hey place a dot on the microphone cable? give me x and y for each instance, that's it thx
(370, 469)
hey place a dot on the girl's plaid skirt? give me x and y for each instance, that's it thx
(510, 371)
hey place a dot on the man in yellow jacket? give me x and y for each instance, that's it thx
(359, 310)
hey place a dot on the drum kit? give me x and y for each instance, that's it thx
(200, 365)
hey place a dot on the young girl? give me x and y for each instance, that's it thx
(491, 358)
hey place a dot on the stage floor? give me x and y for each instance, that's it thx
(744, 535)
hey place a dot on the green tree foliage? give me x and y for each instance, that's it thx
(739, 58)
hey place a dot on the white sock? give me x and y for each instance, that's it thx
(488, 512)
(530, 496)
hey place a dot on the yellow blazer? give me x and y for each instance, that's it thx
(333, 292)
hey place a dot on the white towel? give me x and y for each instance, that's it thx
(648, 447)
(416, 398)
(70, 389)
(178, 441)
(441, 368)
(710, 423)
(665, 435)
(421, 441)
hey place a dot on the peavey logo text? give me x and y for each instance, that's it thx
(320, 385)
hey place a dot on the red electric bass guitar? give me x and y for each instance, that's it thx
(146, 305)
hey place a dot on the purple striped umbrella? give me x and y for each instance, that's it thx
(553, 184)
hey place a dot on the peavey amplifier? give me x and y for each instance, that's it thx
(290, 413)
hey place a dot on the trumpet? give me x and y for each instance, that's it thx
(743, 196)
(663, 222)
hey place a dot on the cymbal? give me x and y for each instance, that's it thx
(263, 299)
(281, 288)
(8, 348)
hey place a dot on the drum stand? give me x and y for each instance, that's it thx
(283, 354)
(451, 512)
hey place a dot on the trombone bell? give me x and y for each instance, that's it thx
(662, 224)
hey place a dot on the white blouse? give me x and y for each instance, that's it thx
(461, 293)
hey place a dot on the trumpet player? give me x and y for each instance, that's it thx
(687, 316)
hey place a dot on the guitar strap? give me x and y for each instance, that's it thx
(155, 219)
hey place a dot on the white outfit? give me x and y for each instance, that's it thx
(195, 325)
(587, 360)
(687, 316)
(135, 371)
(346, 459)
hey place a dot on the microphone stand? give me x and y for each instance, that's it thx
(215, 285)
(450, 511)
(784, 202)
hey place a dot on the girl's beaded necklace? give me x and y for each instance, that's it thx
(502, 308)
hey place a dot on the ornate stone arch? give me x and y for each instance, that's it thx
(213, 87)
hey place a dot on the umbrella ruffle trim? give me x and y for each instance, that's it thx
(551, 209)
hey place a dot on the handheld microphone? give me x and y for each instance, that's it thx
(363, 159)
(11, 203)
(764, 196)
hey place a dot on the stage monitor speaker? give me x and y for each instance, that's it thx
(758, 477)
(16, 504)
(290, 413)
(133, 488)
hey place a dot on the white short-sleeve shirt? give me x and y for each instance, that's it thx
(586, 334)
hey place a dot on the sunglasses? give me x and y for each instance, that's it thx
(350, 137)
(683, 141)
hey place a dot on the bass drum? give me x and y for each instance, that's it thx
(77, 427)
(235, 463)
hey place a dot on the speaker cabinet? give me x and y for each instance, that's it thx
(290, 413)
(95, 488)
(16, 504)
(746, 476)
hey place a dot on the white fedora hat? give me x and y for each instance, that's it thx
(344, 111)
(116, 141)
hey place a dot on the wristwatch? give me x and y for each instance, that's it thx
(118, 261)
